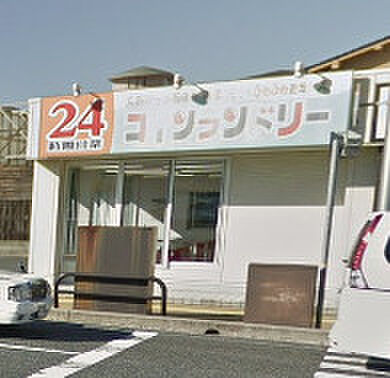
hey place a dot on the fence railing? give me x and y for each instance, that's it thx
(13, 134)
(115, 280)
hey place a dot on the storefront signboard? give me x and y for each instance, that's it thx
(246, 114)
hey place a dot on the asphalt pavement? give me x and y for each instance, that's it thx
(62, 349)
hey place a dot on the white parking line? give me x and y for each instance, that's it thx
(25, 348)
(90, 358)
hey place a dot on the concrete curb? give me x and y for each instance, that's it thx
(194, 326)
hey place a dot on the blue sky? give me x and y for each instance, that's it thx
(48, 44)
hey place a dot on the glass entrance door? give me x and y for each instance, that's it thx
(90, 202)
(145, 196)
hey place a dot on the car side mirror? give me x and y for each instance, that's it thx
(21, 267)
(345, 261)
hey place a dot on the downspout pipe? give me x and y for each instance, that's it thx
(168, 216)
(336, 144)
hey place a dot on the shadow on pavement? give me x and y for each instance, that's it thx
(60, 331)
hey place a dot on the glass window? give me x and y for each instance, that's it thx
(382, 112)
(203, 209)
(197, 197)
(195, 188)
(72, 211)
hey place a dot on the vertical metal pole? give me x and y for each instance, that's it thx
(168, 215)
(137, 207)
(384, 186)
(335, 148)
(119, 194)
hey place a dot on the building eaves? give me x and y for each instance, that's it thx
(337, 59)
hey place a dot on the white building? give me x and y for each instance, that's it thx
(232, 173)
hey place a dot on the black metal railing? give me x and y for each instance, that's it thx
(115, 280)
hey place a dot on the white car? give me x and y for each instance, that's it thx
(364, 309)
(23, 298)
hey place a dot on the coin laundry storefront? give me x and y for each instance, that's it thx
(236, 177)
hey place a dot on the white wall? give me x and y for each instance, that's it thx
(46, 240)
(276, 209)
(275, 215)
(276, 212)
